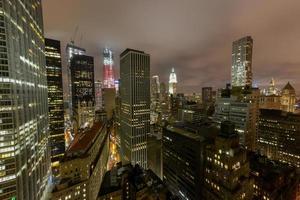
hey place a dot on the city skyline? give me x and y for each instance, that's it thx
(163, 120)
(196, 42)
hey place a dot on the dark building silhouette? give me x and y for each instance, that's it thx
(55, 101)
(207, 95)
(273, 180)
(183, 163)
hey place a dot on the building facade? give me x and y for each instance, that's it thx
(84, 165)
(24, 150)
(273, 180)
(98, 95)
(183, 164)
(155, 99)
(207, 95)
(135, 106)
(55, 102)
(243, 114)
(71, 50)
(83, 91)
(279, 136)
(227, 171)
(241, 68)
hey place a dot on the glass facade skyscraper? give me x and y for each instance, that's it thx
(83, 91)
(24, 153)
(135, 106)
(241, 69)
(55, 101)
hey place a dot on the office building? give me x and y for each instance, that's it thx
(172, 83)
(84, 165)
(132, 182)
(155, 99)
(164, 101)
(83, 91)
(24, 150)
(227, 172)
(241, 68)
(279, 136)
(183, 164)
(273, 180)
(243, 114)
(176, 102)
(109, 101)
(288, 98)
(135, 106)
(98, 95)
(207, 95)
(55, 102)
(71, 50)
(154, 150)
(192, 115)
(108, 69)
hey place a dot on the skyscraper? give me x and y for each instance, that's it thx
(55, 101)
(108, 69)
(71, 50)
(83, 91)
(24, 152)
(155, 94)
(98, 95)
(135, 105)
(241, 69)
(172, 82)
(207, 96)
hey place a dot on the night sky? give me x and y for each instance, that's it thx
(193, 36)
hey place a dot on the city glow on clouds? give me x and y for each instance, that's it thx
(194, 36)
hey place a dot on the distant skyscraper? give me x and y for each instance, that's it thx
(98, 95)
(108, 69)
(55, 101)
(135, 105)
(155, 94)
(241, 69)
(172, 82)
(24, 153)
(83, 90)
(207, 95)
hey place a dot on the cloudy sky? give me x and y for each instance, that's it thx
(193, 36)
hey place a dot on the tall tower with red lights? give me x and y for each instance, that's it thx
(108, 69)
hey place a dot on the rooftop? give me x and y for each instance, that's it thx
(137, 177)
(196, 131)
(83, 141)
(288, 86)
(130, 50)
